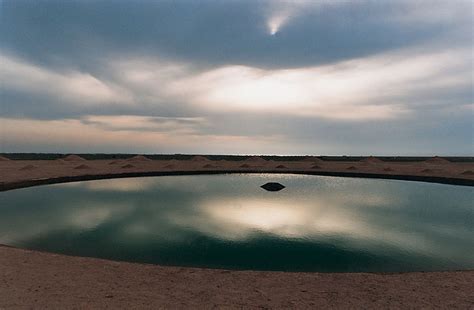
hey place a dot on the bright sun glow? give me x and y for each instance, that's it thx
(275, 22)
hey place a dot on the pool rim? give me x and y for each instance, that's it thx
(6, 186)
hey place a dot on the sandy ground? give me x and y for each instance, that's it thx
(31, 279)
(41, 280)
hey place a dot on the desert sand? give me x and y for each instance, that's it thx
(44, 280)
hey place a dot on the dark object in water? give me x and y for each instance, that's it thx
(272, 187)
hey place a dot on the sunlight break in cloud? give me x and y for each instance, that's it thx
(384, 86)
(377, 87)
(380, 87)
(281, 12)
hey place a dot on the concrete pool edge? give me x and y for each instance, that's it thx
(5, 186)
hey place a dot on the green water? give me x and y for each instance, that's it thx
(316, 223)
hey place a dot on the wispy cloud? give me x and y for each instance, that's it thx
(187, 125)
(73, 135)
(69, 86)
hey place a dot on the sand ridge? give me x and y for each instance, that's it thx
(73, 157)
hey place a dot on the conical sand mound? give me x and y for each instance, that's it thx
(209, 166)
(312, 159)
(128, 166)
(139, 158)
(426, 170)
(73, 158)
(351, 168)
(315, 167)
(3, 158)
(28, 168)
(437, 160)
(255, 159)
(199, 158)
(81, 167)
(371, 160)
(468, 172)
(244, 166)
(113, 162)
(281, 167)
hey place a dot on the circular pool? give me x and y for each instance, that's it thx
(316, 223)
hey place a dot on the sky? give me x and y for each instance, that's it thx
(237, 77)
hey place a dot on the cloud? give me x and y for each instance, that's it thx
(186, 71)
(379, 87)
(73, 135)
(71, 86)
(213, 33)
(187, 125)
(117, 185)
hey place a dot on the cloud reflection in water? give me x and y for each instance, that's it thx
(172, 219)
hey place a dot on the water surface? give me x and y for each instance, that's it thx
(316, 223)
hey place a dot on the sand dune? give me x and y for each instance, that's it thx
(313, 159)
(256, 159)
(437, 160)
(139, 158)
(371, 160)
(199, 158)
(73, 157)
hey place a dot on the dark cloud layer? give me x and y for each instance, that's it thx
(218, 32)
